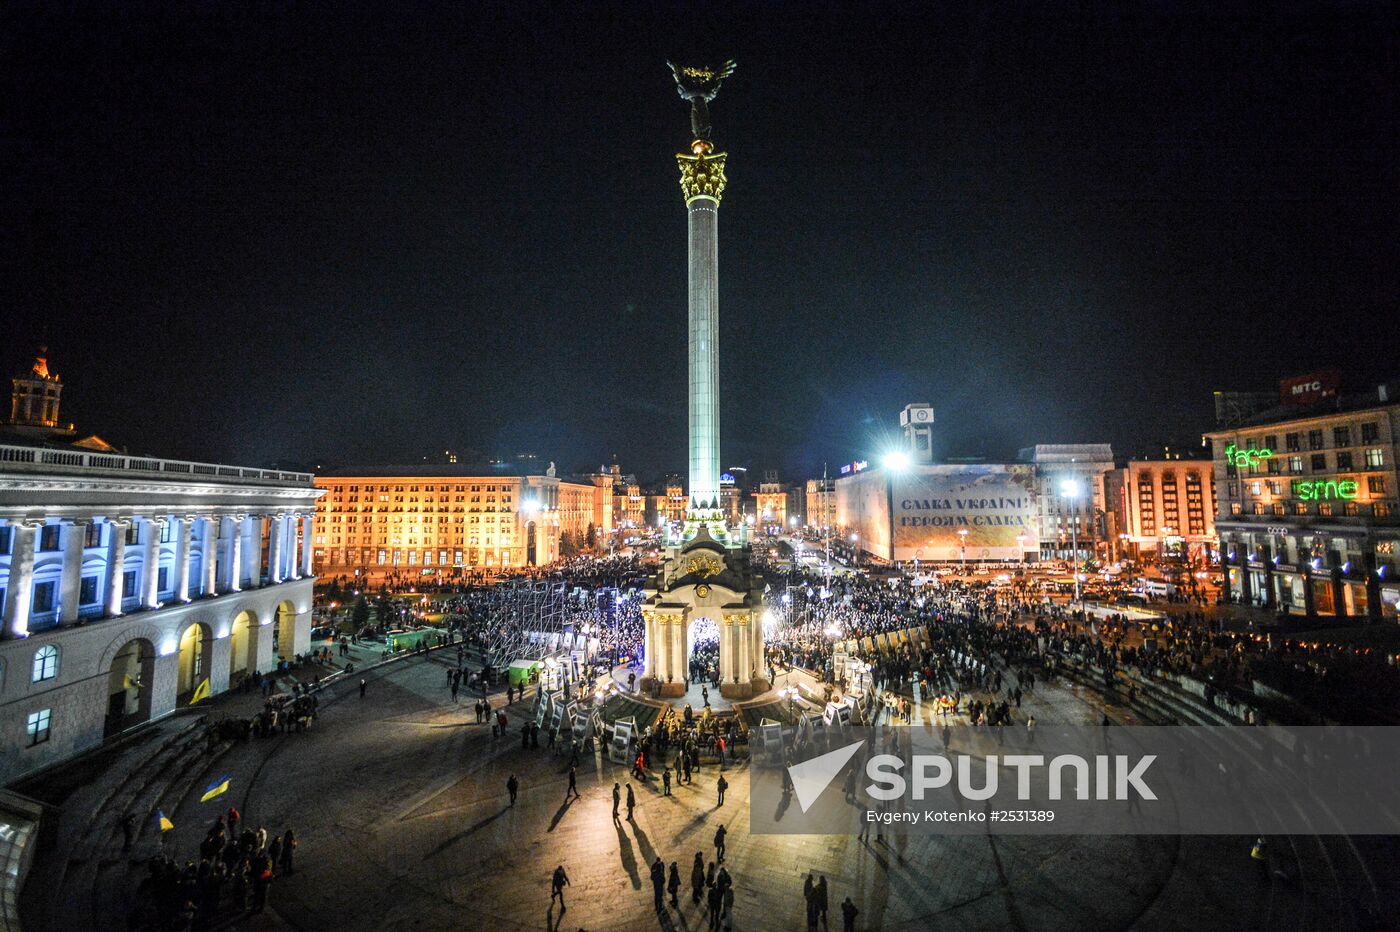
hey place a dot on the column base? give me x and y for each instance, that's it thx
(755, 687)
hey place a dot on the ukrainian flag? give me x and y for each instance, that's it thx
(216, 788)
(200, 692)
(164, 823)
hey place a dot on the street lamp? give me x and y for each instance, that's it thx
(962, 547)
(1069, 488)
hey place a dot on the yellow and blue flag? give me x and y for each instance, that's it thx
(164, 823)
(200, 692)
(216, 788)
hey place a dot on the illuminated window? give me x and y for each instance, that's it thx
(45, 663)
(1351, 509)
(1374, 458)
(1375, 485)
(1295, 465)
(1324, 509)
(37, 726)
(1300, 508)
(1278, 508)
(1381, 510)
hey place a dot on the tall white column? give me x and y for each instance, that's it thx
(253, 549)
(235, 554)
(116, 564)
(209, 559)
(702, 185)
(150, 562)
(291, 559)
(182, 558)
(70, 587)
(19, 591)
(307, 540)
(276, 524)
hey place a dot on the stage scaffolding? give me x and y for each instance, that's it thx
(527, 622)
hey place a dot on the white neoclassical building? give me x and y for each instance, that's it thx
(127, 583)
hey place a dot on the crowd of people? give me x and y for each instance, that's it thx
(233, 877)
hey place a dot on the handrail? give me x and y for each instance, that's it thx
(75, 459)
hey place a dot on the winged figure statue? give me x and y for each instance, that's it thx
(699, 86)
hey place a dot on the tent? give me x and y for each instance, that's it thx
(521, 672)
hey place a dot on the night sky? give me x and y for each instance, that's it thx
(332, 237)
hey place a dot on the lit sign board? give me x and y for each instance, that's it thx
(1321, 490)
(1242, 458)
(857, 466)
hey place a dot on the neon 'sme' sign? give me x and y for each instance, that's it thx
(1321, 490)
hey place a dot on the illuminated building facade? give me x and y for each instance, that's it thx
(442, 520)
(1161, 509)
(770, 503)
(131, 586)
(1307, 507)
(821, 503)
(1067, 520)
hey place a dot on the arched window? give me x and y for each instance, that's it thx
(45, 663)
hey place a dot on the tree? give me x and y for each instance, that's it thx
(592, 539)
(359, 615)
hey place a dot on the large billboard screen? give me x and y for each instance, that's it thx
(993, 504)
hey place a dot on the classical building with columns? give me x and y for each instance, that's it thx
(132, 585)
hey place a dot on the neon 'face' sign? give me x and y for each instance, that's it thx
(1244, 458)
(1321, 490)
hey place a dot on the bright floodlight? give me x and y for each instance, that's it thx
(897, 461)
(1069, 488)
(530, 506)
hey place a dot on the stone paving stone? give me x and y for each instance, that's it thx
(399, 801)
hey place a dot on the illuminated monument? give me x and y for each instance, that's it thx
(708, 573)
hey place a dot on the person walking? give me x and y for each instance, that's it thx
(289, 845)
(658, 883)
(809, 895)
(631, 802)
(727, 906)
(513, 788)
(719, 843)
(721, 786)
(848, 915)
(673, 884)
(617, 799)
(714, 901)
(363, 686)
(558, 883)
(820, 897)
(573, 784)
(666, 782)
(697, 878)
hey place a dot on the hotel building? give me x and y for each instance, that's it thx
(441, 520)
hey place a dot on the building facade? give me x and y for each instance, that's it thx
(821, 503)
(1161, 509)
(1307, 508)
(770, 503)
(132, 585)
(438, 521)
(1066, 520)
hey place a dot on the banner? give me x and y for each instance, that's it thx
(972, 512)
